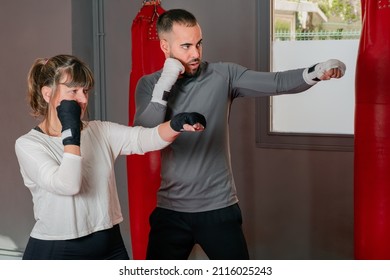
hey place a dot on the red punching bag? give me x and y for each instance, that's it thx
(372, 134)
(143, 171)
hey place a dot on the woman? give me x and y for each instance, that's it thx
(68, 163)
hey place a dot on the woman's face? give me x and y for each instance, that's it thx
(76, 93)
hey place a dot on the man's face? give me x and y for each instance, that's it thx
(185, 44)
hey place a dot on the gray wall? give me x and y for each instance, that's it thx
(296, 204)
(29, 29)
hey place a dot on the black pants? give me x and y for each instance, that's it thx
(219, 233)
(101, 245)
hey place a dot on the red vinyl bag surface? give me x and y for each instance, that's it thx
(143, 171)
(372, 134)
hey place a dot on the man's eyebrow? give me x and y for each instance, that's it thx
(189, 44)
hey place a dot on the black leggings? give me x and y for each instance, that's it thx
(102, 245)
(219, 233)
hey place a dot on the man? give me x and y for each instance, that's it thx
(197, 201)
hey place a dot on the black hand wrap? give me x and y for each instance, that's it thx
(181, 119)
(69, 113)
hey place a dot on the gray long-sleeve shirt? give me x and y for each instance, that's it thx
(196, 169)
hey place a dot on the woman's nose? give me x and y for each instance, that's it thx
(82, 96)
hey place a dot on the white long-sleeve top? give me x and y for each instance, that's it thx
(74, 196)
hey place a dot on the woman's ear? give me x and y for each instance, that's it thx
(46, 93)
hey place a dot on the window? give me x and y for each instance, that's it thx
(303, 33)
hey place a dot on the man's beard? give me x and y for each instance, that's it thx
(189, 74)
(193, 72)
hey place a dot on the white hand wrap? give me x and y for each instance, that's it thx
(313, 74)
(171, 71)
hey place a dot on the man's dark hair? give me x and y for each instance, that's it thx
(168, 18)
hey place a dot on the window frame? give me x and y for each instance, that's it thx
(265, 138)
